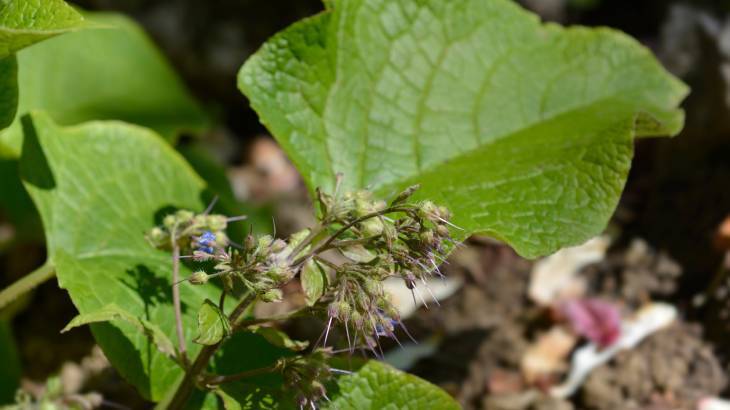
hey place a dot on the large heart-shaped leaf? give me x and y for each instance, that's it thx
(75, 78)
(378, 386)
(98, 188)
(524, 130)
(25, 22)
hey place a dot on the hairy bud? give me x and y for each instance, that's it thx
(198, 278)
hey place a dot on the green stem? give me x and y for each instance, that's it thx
(182, 349)
(26, 283)
(326, 244)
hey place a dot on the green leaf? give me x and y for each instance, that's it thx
(358, 253)
(113, 312)
(213, 324)
(278, 338)
(524, 130)
(379, 386)
(110, 72)
(98, 187)
(314, 281)
(25, 22)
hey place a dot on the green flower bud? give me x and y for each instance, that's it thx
(442, 231)
(157, 237)
(428, 237)
(356, 318)
(389, 232)
(344, 309)
(264, 243)
(169, 221)
(429, 210)
(406, 194)
(278, 245)
(372, 227)
(184, 215)
(444, 212)
(198, 278)
(221, 239)
(217, 222)
(250, 242)
(373, 287)
(272, 295)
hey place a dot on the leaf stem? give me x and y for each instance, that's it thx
(26, 284)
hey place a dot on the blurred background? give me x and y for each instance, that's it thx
(493, 342)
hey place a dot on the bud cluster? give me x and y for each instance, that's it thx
(201, 233)
(400, 239)
(305, 376)
(263, 264)
(379, 240)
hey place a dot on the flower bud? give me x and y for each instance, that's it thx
(389, 232)
(264, 243)
(250, 242)
(372, 227)
(272, 295)
(169, 221)
(429, 210)
(444, 212)
(442, 231)
(356, 319)
(217, 222)
(184, 215)
(156, 237)
(198, 278)
(278, 245)
(428, 237)
(373, 286)
(405, 194)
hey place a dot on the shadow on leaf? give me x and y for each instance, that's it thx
(34, 167)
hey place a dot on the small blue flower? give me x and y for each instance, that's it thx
(207, 238)
(206, 242)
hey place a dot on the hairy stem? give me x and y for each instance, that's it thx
(176, 304)
(325, 245)
(26, 284)
(194, 371)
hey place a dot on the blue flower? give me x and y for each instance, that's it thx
(206, 242)
(207, 238)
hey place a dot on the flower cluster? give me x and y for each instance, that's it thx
(400, 239)
(305, 376)
(376, 241)
(262, 265)
(199, 232)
